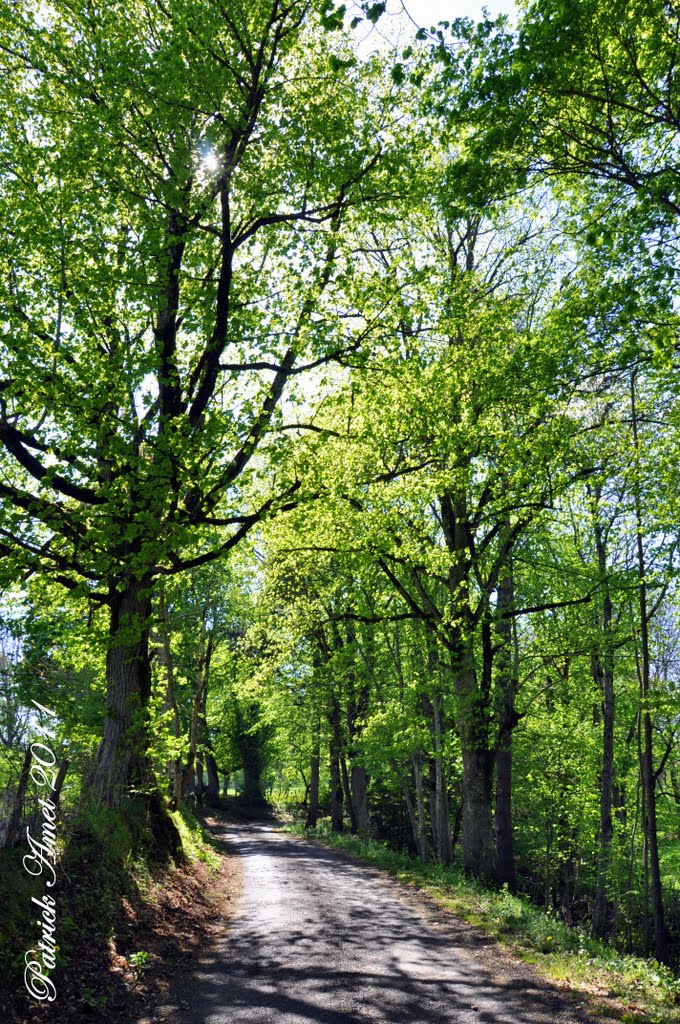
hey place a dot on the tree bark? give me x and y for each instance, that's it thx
(359, 787)
(472, 700)
(408, 800)
(349, 801)
(212, 790)
(603, 673)
(445, 849)
(198, 727)
(648, 775)
(336, 780)
(123, 771)
(421, 839)
(199, 786)
(174, 767)
(506, 687)
(55, 794)
(313, 810)
(478, 762)
(14, 823)
(121, 761)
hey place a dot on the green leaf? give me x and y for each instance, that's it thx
(375, 12)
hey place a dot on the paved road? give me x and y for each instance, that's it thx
(317, 939)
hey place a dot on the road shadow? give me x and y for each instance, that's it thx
(347, 951)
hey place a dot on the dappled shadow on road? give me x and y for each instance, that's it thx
(330, 945)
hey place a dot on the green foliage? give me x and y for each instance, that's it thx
(197, 843)
(339, 441)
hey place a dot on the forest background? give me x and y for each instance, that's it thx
(339, 438)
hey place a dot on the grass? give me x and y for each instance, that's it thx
(197, 842)
(636, 989)
(107, 863)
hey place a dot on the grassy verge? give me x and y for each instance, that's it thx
(197, 843)
(632, 989)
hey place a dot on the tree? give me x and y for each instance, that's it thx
(165, 172)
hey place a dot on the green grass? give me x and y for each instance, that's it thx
(197, 843)
(644, 990)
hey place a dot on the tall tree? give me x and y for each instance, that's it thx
(165, 170)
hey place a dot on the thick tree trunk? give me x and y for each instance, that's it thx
(336, 779)
(359, 787)
(174, 767)
(121, 761)
(478, 763)
(648, 775)
(253, 792)
(14, 823)
(122, 765)
(506, 686)
(478, 850)
(212, 790)
(199, 786)
(420, 805)
(473, 710)
(445, 848)
(603, 674)
(503, 815)
(313, 811)
(349, 802)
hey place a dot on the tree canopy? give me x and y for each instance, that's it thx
(339, 428)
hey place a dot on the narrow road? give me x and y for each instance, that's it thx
(317, 939)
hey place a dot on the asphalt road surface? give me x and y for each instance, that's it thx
(317, 939)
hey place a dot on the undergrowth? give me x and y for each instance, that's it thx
(643, 990)
(108, 860)
(197, 843)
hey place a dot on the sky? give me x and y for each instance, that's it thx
(397, 26)
(429, 12)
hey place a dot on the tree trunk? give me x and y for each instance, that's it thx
(648, 776)
(121, 761)
(445, 849)
(253, 792)
(478, 760)
(123, 773)
(199, 787)
(506, 686)
(336, 780)
(198, 727)
(14, 823)
(472, 700)
(503, 816)
(313, 811)
(432, 800)
(603, 673)
(349, 802)
(478, 851)
(174, 767)
(212, 790)
(408, 800)
(359, 789)
(421, 840)
(55, 794)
